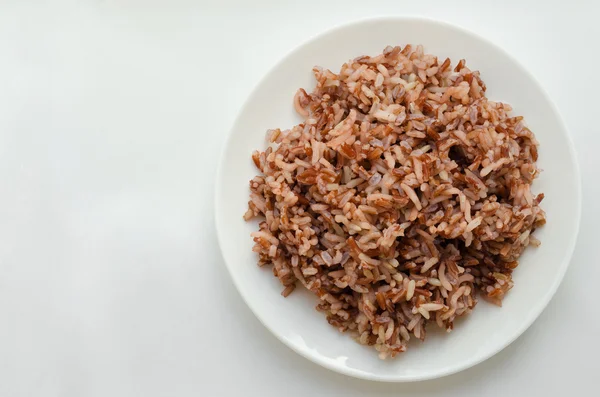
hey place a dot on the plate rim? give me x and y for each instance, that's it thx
(542, 303)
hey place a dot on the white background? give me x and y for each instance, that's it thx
(112, 117)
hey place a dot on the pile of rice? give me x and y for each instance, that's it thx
(403, 195)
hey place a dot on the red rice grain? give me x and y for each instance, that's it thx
(403, 194)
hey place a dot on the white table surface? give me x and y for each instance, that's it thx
(112, 117)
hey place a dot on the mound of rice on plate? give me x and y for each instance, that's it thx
(403, 196)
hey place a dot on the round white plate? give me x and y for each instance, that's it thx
(488, 329)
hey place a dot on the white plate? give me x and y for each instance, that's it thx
(488, 329)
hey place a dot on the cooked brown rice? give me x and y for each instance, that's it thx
(403, 193)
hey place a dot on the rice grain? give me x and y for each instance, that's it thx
(403, 196)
